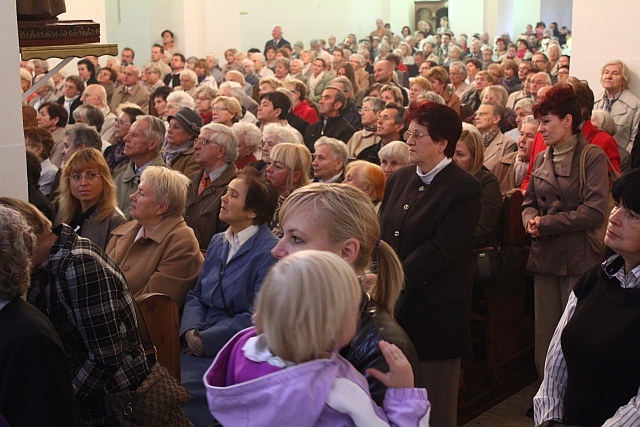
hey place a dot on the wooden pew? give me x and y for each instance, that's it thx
(160, 313)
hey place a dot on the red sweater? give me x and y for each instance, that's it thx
(306, 112)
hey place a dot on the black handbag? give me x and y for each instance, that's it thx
(486, 263)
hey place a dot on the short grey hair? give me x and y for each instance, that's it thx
(282, 133)
(183, 98)
(169, 186)
(82, 134)
(191, 75)
(18, 242)
(225, 136)
(459, 67)
(235, 89)
(249, 133)
(338, 148)
(156, 129)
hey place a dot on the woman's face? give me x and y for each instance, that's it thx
(554, 129)
(278, 175)
(45, 121)
(390, 164)
(123, 124)
(230, 57)
(301, 232)
(553, 53)
(368, 115)
(354, 177)
(222, 115)
(200, 70)
(423, 150)
(268, 142)
(508, 73)
(86, 186)
(186, 83)
(462, 156)
(387, 96)
(415, 91)
(144, 205)
(232, 206)
(203, 102)
(623, 234)
(271, 54)
(178, 134)
(437, 86)
(612, 79)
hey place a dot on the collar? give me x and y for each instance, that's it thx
(257, 350)
(613, 267)
(217, 173)
(335, 178)
(239, 239)
(428, 177)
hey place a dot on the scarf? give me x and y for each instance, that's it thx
(489, 136)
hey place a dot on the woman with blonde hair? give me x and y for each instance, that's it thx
(368, 177)
(316, 294)
(341, 219)
(87, 197)
(226, 110)
(469, 156)
(158, 251)
(287, 170)
(419, 85)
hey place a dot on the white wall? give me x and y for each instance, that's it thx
(13, 169)
(593, 46)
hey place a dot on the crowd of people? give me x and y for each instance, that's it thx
(314, 213)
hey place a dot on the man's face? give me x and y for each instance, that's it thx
(382, 72)
(472, 69)
(368, 115)
(324, 165)
(156, 54)
(424, 69)
(481, 82)
(276, 32)
(296, 67)
(91, 96)
(318, 67)
(538, 81)
(525, 140)
(337, 56)
(70, 89)
(540, 62)
(486, 118)
(135, 142)
(126, 57)
(522, 70)
(69, 148)
(130, 76)
(328, 105)
(387, 126)
(177, 64)
(160, 105)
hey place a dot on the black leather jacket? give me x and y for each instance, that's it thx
(377, 324)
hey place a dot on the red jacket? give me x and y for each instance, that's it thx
(306, 112)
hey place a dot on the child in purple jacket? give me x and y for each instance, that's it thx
(287, 370)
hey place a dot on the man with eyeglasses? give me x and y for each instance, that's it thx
(130, 91)
(216, 150)
(142, 145)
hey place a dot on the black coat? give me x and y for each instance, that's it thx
(336, 127)
(75, 104)
(431, 228)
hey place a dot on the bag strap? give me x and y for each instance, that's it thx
(150, 350)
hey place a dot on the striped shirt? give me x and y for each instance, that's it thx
(548, 402)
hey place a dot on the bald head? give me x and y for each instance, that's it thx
(131, 76)
(95, 95)
(383, 72)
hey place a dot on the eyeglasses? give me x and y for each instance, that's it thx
(89, 176)
(122, 122)
(416, 134)
(204, 141)
(218, 109)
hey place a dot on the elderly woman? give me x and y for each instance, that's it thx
(512, 168)
(368, 177)
(177, 100)
(354, 235)
(559, 211)
(393, 156)
(436, 254)
(419, 85)
(45, 93)
(301, 107)
(203, 98)
(287, 170)
(272, 135)
(226, 110)
(438, 79)
(188, 82)
(391, 93)
(620, 102)
(179, 154)
(469, 156)
(32, 357)
(249, 142)
(221, 303)
(157, 251)
(593, 351)
(87, 197)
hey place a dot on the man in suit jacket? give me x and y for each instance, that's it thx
(277, 40)
(497, 145)
(130, 91)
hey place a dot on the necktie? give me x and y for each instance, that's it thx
(204, 183)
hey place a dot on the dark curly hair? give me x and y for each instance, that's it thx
(560, 100)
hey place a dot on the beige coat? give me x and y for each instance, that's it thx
(168, 260)
(563, 248)
(497, 149)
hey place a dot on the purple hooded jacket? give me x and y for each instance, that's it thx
(323, 392)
